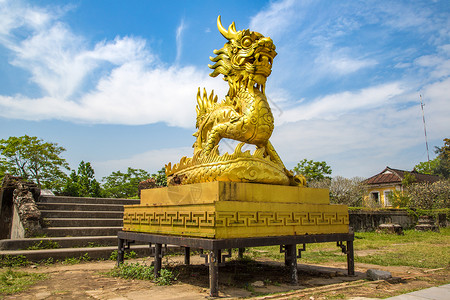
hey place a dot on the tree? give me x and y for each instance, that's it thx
(424, 195)
(33, 159)
(408, 179)
(82, 183)
(427, 167)
(443, 168)
(313, 170)
(124, 185)
(348, 191)
(160, 177)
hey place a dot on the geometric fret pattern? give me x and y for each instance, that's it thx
(250, 219)
(209, 219)
(171, 218)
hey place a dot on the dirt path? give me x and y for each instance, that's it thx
(88, 281)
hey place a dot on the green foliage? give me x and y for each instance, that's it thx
(133, 271)
(427, 167)
(399, 199)
(13, 281)
(160, 177)
(408, 179)
(438, 166)
(166, 277)
(126, 255)
(82, 183)
(76, 260)
(143, 272)
(429, 195)
(33, 159)
(44, 245)
(443, 168)
(313, 170)
(13, 261)
(417, 212)
(124, 185)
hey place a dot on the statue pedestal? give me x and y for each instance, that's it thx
(225, 210)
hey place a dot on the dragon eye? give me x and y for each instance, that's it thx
(246, 42)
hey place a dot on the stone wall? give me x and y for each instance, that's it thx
(19, 215)
(369, 220)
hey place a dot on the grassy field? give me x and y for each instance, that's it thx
(414, 248)
(12, 281)
(428, 250)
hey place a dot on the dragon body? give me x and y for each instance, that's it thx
(244, 115)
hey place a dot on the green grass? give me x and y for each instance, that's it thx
(414, 248)
(126, 255)
(143, 272)
(13, 261)
(76, 260)
(13, 281)
(44, 245)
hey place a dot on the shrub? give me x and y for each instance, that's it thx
(143, 272)
(428, 195)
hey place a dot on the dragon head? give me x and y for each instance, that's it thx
(246, 58)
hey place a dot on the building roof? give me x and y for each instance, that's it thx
(395, 176)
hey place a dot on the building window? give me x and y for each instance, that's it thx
(375, 197)
(387, 198)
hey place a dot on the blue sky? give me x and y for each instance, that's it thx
(115, 82)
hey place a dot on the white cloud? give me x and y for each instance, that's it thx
(357, 130)
(130, 95)
(276, 18)
(15, 14)
(340, 63)
(179, 40)
(335, 105)
(133, 87)
(361, 140)
(437, 64)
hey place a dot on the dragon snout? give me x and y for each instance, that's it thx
(266, 42)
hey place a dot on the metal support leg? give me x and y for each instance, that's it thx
(283, 249)
(187, 255)
(213, 273)
(157, 259)
(241, 253)
(120, 252)
(291, 256)
(350, 259)
(219, 256)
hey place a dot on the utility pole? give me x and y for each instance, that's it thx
(425, 130)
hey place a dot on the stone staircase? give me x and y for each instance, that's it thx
(75, 226)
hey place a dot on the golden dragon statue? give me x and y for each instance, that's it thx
(244, 115)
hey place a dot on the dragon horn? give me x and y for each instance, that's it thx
(228, 34)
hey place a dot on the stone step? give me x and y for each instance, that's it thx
(63, 253)
(79, 207)
(80, 231)
(86, 200)
(81, 214)
(82, 222)
(60, 242)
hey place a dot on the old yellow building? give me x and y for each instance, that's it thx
(381, 185)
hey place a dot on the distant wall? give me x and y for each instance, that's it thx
(369, 220)
(19, 216)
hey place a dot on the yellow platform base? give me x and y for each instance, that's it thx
(223, 210)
